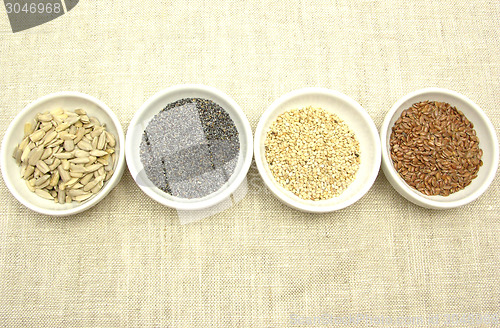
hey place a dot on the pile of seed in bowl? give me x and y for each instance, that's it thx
(66, 156)
(434, 148)
(190, 149)
(312, 153)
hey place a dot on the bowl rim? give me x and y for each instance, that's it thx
(394, 178)
(240, 175)
(259, 157)
(120, 164)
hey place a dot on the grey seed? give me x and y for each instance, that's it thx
(69, 145)
(42, 180)
(63, 174)
(42, 166)
(84, 145)
(44, 194)
(79, 160)
(35, 155)
(99, 153)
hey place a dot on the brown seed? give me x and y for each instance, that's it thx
(440, 143)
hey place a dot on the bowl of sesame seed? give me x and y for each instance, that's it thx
(439, 149)
(189, 147)
(317, 150)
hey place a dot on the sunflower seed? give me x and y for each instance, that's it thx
(63, 174)
(37, 135)
(35, 155)
(81, 198)
(84, 145)
(98, 153)
(79, 160)
(44, 194)
(42, 166)
(69, 145)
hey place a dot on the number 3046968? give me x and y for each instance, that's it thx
(33, 8)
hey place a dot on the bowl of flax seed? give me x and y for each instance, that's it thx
(439, 149)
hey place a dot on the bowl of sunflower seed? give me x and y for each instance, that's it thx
(63, 153)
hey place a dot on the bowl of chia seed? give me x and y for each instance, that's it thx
(189, 147)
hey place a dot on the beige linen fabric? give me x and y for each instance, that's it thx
(128, 262)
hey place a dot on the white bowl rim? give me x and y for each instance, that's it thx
(409, 194)
(108, 186)
(240, 176)
(259, 156)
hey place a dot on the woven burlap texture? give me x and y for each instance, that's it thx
(128, 262)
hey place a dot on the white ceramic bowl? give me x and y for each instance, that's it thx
(14, 135)
(353, 115)
(488, 142)
(157, 103)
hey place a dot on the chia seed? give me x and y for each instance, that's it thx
(190, 149)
